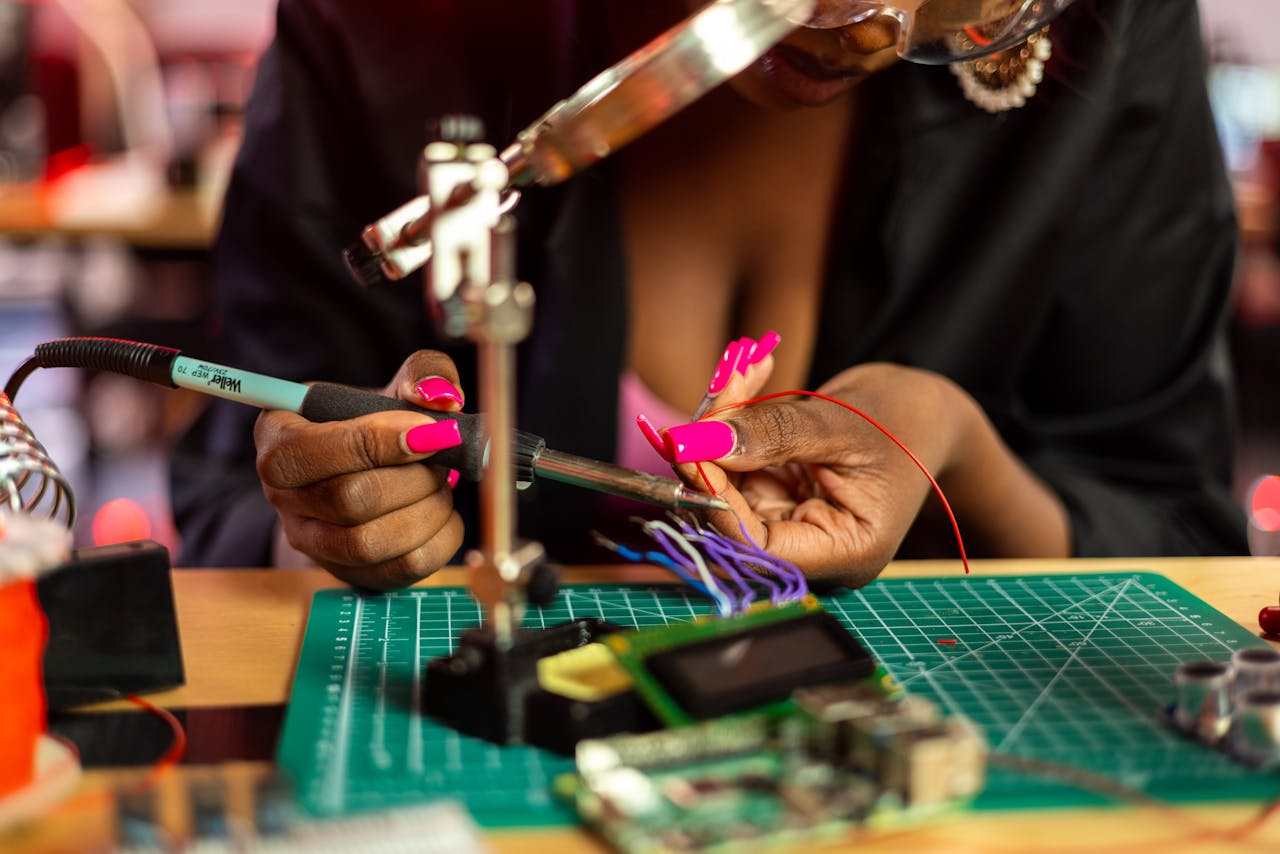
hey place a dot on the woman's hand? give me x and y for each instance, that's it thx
(820, 486)
(354, 495)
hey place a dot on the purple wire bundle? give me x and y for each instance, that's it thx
(742, 556)
(676, 546)
(705, 559)
(742, 564)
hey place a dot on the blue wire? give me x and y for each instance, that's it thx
(665, 560)
(724, 605)
(660, 559)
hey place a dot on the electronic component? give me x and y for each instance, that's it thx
(137, 824)
(1269, 620)
(210, 817)
(589, 673)
(714, 667)
(1231, 706)
(1255, 731)
(220, 811)
(1255, 668)
(587, 679)
(842, 756)
(1203, 704)
(528, 694)
(900, 741)
(113, 628)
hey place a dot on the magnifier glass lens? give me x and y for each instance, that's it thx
(947, 30)
(942, 31)
(830, 14)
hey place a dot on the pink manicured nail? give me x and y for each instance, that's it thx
(745, 345)
(651, 435)
(436, 436)
(699, 441)
(433, 389)
(724, 370)
(767, 344)
(452, 479)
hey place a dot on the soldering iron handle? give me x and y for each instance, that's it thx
(331, 402)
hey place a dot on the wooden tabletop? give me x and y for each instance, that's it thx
(241, 631)
(177, 219)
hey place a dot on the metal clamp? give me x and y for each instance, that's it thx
(613, 108)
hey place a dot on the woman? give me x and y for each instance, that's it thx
(1031, 299)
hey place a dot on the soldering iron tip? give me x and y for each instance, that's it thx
(700, 500)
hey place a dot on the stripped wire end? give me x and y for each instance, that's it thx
(730, 573)
(635, 556)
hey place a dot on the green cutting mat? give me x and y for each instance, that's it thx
(1070, 669)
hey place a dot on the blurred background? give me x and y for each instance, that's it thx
(1243, 38)
(118, 123)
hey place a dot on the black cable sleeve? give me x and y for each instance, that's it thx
(19, 376)
(135, 359)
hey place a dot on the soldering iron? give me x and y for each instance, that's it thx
(332, 402)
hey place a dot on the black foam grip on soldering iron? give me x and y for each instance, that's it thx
(330, 402)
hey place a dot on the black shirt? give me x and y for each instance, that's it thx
(1067, 263)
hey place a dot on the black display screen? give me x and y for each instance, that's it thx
(761, 665)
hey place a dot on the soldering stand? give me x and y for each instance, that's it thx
(473, 292)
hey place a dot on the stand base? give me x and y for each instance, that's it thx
(57, 772)
(494, 694)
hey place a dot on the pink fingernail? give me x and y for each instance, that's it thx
(744, 355)
(767, 344)
(436, 436)
(433, 389)
(699, 441)
(651, 435)
(724, 370)
(452, 479)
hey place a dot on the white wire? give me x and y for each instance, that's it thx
(723, 603)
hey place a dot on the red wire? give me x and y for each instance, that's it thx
(1195, 835)
(1251, 826)
(171, 757)
(955, 526)
(977, 37)
(177, 748)
(703, 474)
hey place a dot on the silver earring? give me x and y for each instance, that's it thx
(1005, 80)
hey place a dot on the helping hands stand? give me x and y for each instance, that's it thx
(489, 686)
(460, 224)
(472, 289)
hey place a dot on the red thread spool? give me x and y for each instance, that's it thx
(35, 770)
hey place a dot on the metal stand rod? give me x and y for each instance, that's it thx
(496, 362)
